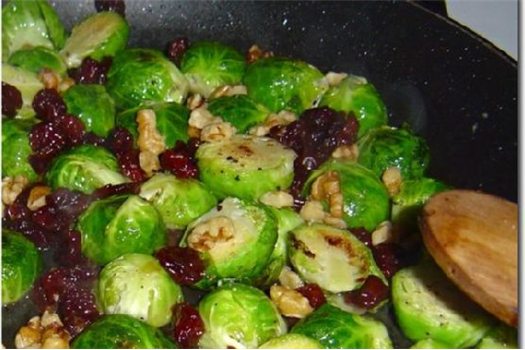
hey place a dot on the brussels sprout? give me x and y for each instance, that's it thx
(171, 118)
(387, 147)
(208, 65)
(334, 259)
(245, 166)
(356, 95)
(136, 285)
(93, 105)
(407, 204)
(337, 329)
(26, 82)
(16, 148)
(239, 110)
(287, 220)
(430, 344)
(121, 332)
(238, 316)
(242, 248)
(282, 83)
(365, 198)
(29, 24)
(178, 201)
(292, 341)
(499, 337)
(99, 35)
(118, 225)
(141, 75)
(21, 265)
(428, 305)
(37, 58)
(84, 168)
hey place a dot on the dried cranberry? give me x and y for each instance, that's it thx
(117, 6)
(11, 100)
(49, 105)
(371, 293)
(113, 190)
(120, 141)
(183, 264)
(92, 71)
(90, 138)
(68, 204)
(130, 165)
(77, 310)
(46, 140)
(188, 327)
(314, 294)
(388, 257)
(363, 235)
(69, 252)
(179, 160)
(72, 128)
(176, 48)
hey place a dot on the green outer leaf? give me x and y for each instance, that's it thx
(136, 285)
(430, 344)
(121, 332)
(387, 147)
(93, 105)
(239, 316)
(21, 265)
(172, 121)
(37, 58)
(99, 35)
(141, 75)
(283, 83)
(84, 168)
(118, 225)
(365, 198)
(239, 110)
(208, 65)
(25, 81)
(500, 336)
(337, 329)
(292, 341)
(57, 32)
(178, 201)
(16, 148)
(354, 94)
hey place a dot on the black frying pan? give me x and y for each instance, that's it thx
(453, 88)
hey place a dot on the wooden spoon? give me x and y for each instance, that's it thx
(474, 238)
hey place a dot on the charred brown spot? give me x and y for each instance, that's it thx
(299, 245)
(246, 150)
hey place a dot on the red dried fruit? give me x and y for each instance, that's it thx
(77, 310)
(176, 48)
(363, 235)
(388, 257)
(183, 264)
(179, 160)
(188, 326)
(130, 165)
(92, 71)
(49, 105)
(313, 293)
(371, 293)
(11, 100)
(120, 141)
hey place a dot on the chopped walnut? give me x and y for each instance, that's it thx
(46, 332)
(255, 53)
(207, 234)
(229, 90)
(312, 211)
(335, 79)
(384, 233)
(346, 152)
(65, 84)
(336, 205)
(217, 131)
(277, 199)
(335, 222)
(326, 185)
(37, 197)
(282, 118)
(290, 279)
(290, 302)
(200, 117)
(49, 78)
(149, 162)
(149, 137)
(194, 101)
(392, 180)
(12, 187)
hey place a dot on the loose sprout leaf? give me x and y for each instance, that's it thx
(37, 58)
(239, 110)
(16, 148)
(26, 82)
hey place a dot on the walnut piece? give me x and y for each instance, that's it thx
(37, 197)
(255, 53)
(290, 302)
(217, 131)
(229, 90)
(194, 101)
(277, 199)
(207, 234)
(346, 152)
(65, 84)
(12, 187)
(149, 137)
(384, 233)
(290, 279)
(46, 332)
(282, 118)
(335, 222)
(312, 211)
(49, 78)
(200, 117)
(335, 79)
(392, 180)
(326, 185)
(149, 162)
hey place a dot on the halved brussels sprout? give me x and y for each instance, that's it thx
(141, 75)
(388, 147)
(171, 118)
(84, 168)
(35, 59)
(334, 259)
(284, 84)
(499, 337)
(292, 341)
(119, 225)
(99, 35)
(178, 201)
(121, 332)
(93, 105)
(136, 285)
(239, 110)
(428, 305)
(238, 316)
(208, 65)
(21, 265)
(26, 82)
(365, 199)
(245, 166)
(337, 329)
(16, 148)
(30, 24)
(356, 95)
(430, 344)
(287, 220)
(235, 240)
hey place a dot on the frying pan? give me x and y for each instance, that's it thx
(455, 89)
